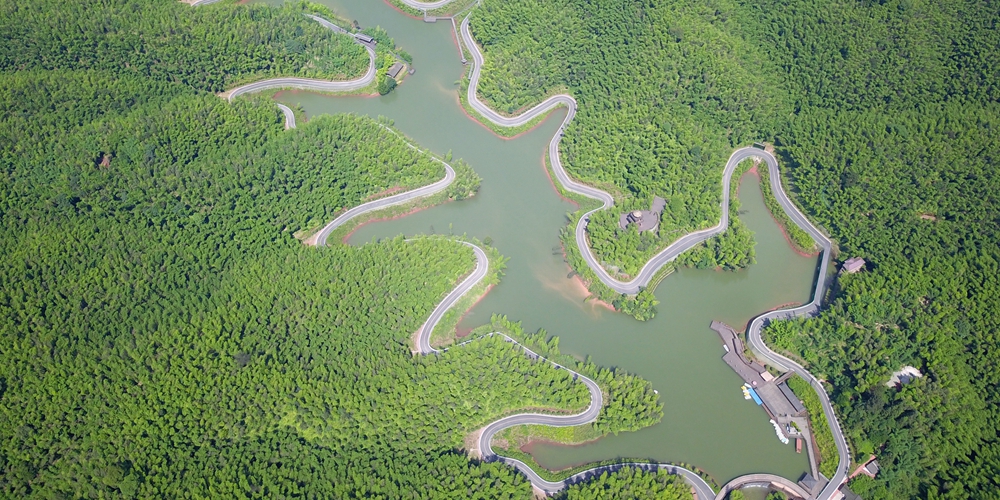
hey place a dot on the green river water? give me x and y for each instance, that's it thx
(706, 421)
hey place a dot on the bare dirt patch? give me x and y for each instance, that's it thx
(415, 340)
(383, 194)
(464, 332)
(471, 444)
(591, 298)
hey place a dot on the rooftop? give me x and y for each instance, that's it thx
(749, 372)
(395, 69)
(646, 220)
(853, 265)
(792, 398)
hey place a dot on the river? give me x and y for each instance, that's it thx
(706, 421)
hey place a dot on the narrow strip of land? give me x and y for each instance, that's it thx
(346, 86)
(426, 5)
(588, 415)
(396, 199)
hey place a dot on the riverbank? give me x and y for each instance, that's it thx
(799, 240)
(446, 331)
(783, 225)
(516, 202)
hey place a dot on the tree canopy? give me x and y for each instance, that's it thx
(884, 115)
(163, 330)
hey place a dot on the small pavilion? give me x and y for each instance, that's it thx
(646, 220)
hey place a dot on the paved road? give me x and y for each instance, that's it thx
(289, 116)
(812, 308)
(684, 243)
(588, 415)
(482, 264)
(311, 83)
(668, 254)
(396, 199)
(424, 5)
(482, 268)
(324, 85)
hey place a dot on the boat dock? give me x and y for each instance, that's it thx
(750, 372)
(783, 408)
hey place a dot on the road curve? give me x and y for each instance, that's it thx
(311, 83)
(425, 6)
(684, 243)
(327, 86)
(289, 116)
(396, 199)
(588, 415)
(607, 201)
(812, 308)
(482, 268)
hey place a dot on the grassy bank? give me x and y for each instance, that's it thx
(560, 475)
(817, 424)
(516, 437)
(799, 239)
(444, 332)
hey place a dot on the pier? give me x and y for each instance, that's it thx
(773, 394)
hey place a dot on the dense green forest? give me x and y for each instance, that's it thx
(631, 484)
(163, 333)
(209, 48)
(884, 115)
(664, 94)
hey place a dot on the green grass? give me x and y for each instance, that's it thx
(444, 331)
(800, 239)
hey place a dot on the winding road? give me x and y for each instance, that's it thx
(682, 244)
(345, 86)
(397, 199)
(642, 279)
(312, 83)
(588, 415)
(388, 201)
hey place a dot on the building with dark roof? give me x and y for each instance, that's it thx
(394, 70)
(646, 220)
(363, 38)
(792, 398)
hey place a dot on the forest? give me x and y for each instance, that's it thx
(163, 330)
(884, 115)
(663, 98)
(631, 484)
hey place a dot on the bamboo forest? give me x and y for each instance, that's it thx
(168, 329)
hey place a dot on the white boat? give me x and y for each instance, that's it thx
(777, 430)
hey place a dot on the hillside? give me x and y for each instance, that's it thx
(884, 115)
(163, 331)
